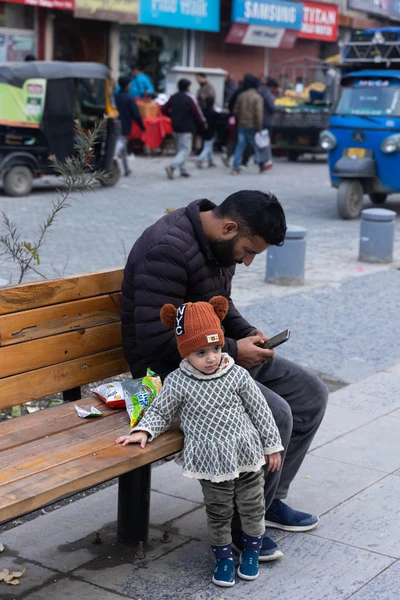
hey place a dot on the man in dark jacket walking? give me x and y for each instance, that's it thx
(188, 256)
(267, 90)
(187, 117)
(128, 112)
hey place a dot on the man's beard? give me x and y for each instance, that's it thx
(223, 252)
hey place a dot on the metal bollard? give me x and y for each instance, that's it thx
(285, 264)
(377, 235)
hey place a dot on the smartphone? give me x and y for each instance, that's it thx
(277, 340)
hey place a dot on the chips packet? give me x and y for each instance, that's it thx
(136, 394)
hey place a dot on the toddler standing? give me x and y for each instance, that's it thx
(229, 430)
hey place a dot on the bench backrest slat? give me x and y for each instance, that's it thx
(55, 291)
(59, 334)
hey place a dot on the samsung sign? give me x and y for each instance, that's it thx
(287, 15)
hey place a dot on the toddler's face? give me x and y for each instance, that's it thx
(206, 359)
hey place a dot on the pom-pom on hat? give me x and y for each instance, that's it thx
(196, 324)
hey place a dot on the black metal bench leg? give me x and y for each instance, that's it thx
(134, 505)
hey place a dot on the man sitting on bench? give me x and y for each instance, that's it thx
(188, 256)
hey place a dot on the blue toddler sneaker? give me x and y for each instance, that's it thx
(281, 516)
(269, 549)
(224, 574)
(248, 568)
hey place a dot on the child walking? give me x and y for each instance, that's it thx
(229, 430)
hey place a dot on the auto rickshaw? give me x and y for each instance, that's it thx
(40, 103)
(363, 139)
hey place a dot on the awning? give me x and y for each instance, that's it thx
(260, 35)
(57, 4)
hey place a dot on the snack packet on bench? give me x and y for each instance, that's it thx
(135, 394)
(85, 412)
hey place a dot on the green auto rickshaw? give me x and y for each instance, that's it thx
(40, 103)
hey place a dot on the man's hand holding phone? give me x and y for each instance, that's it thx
(251, 353)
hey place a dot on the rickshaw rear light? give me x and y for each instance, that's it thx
(327, 140)
(391, 144)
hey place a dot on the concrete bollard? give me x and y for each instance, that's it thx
(377, 235)
(285, 264)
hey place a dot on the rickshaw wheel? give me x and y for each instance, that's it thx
(112, 177)
(350, 199)
(378, 198)
(18, 181)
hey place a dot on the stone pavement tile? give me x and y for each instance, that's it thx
(375, 445)
(369, 520)
(337, 421)
(397, 473)
(70, 589)
(50, 542)
(395, 414)
(385, 586)
(62, 539)
(377, 394)
(322, 483)
(311, 570)
(167, 478)
(171, 577)
(163, 507)
(33, 577)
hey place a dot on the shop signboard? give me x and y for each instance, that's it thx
(121, 11)
(271, 13)
(186, 14)
(262, 36)
(54, 4)
(385, 8)
(320, 22)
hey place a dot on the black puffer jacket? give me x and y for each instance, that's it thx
(171, 262)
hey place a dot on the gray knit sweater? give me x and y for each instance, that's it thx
(227, 423)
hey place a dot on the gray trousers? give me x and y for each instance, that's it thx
(183, 149)
(298, 400)
(247, 493)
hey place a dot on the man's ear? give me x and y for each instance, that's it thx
(230, 228)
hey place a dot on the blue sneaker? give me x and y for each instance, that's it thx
(281, 516)
(248, 568)
(269, 549)
(224, 574)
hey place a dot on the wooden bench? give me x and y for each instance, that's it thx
(55, 336)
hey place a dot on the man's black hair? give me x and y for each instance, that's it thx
(256, 213)
(123, 82)
(184, 84)
(134, 67)
(200, 74)
(30, 57)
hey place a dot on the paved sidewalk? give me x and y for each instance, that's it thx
(344, 324)
(351, 477)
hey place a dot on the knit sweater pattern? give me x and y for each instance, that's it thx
(227, 423)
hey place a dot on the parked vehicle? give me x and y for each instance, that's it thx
(363, 139)
(40, 102)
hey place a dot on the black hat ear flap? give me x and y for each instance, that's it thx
(220, 306)
(168, 315)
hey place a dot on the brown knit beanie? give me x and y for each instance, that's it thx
(196, 324)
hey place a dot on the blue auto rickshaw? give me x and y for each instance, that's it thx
(363, 139)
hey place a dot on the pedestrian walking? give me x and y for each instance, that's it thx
(128, 112)
(140, 83)
(248, 111)
(206, 390)
(208, 135)
(186, 117)
(232, 133)
(267, 90)
(205, 91)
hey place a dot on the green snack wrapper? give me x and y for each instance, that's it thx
(142, 393)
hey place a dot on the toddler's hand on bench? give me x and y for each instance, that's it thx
(139, 437)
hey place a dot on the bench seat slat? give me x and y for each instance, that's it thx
(48, 452)
(54, 291)
(52, 421)
(20, 358)
(64, 376)
(61, 318)
(81, 473)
